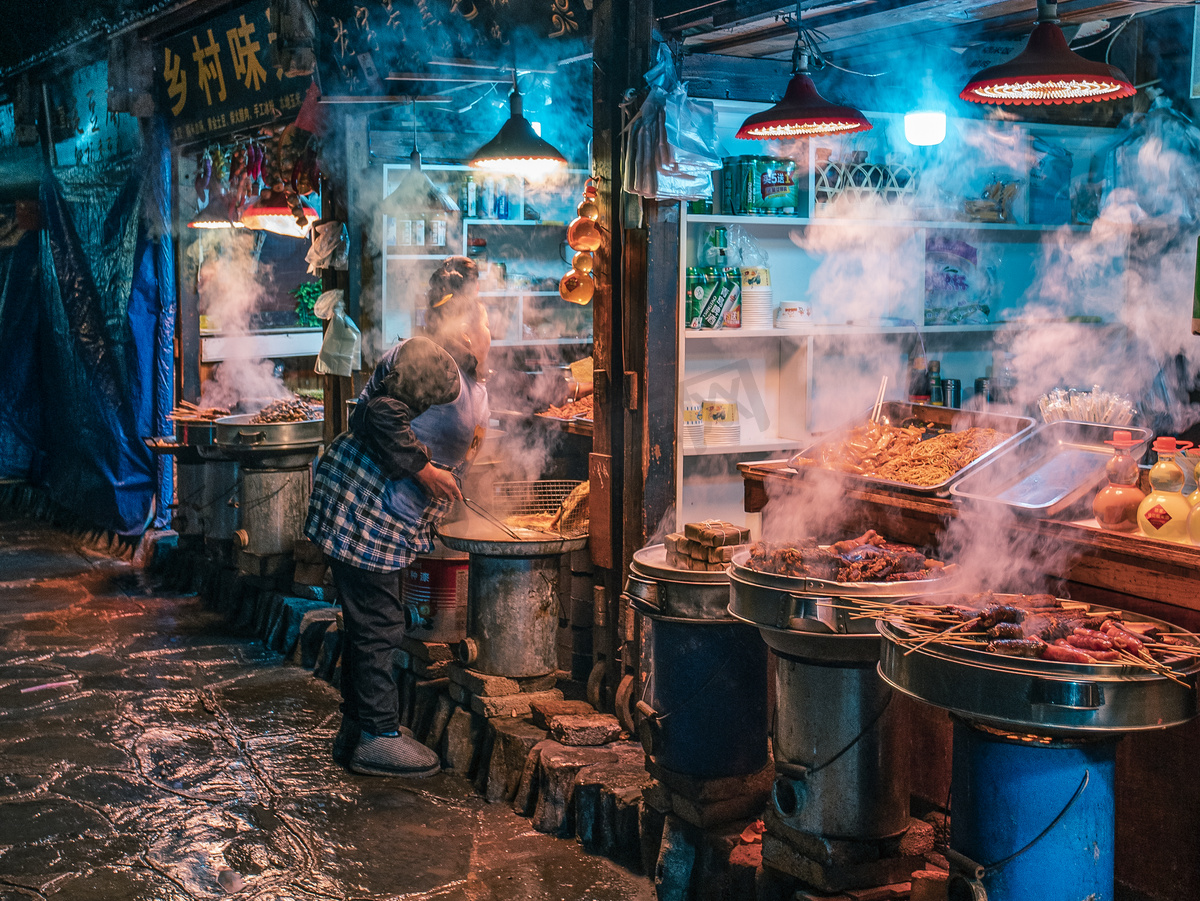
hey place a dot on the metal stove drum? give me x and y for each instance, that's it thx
(704, 702)
(205, 504)
(513, 602)
(1032, 807)
(841, 768)
(275, 460)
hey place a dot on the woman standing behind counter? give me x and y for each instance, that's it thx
(379, 492)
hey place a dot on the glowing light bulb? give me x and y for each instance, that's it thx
(924, 128)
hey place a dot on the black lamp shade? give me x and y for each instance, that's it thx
(803, 112)
(517, 148)
(1047, 71)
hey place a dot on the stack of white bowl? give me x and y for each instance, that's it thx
(722, 433)
(756, 307)
(693, 427)
(793, 315)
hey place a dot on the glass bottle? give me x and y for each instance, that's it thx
(936, 397)
(1194, 497)
(1116, 504)
(1164, 511)
(918, 381)
(583, 234)
(576, 287)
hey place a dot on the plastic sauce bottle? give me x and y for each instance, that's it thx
(1164, 512)
(1116, 504)
(1194, 497)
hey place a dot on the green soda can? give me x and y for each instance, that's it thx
(694, 299)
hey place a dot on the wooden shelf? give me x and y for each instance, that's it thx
(763, 445)
(819, 329)
(949, 225)
(542, 342)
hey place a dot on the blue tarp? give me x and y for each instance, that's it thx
(85, 341)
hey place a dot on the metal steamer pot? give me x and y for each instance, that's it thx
(278, 445)
(668, 591)
(1043, 697)
(841, 768)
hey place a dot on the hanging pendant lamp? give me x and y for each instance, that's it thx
(802, 112)
(1048, 71)
(217, 214)
(272, 212)
(517, 149)
(415, 192)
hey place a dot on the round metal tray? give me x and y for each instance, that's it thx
(239, 432)
(651, 561)
(792, 585)
(1041, 696)
(683, 593)
(477, 536)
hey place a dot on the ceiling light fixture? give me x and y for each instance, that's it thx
(1048, 71)
(802, 112)
(414, 192)
(517, 149)
(272, 212)
(924, 128)
(218, 213)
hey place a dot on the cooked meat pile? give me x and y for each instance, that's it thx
(900, 455)
(295, 410)
(1045, 627)
(576, 409)
(868, 558)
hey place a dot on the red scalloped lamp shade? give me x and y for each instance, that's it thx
(803, 112)
(1048, 71)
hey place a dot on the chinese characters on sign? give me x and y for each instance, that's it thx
(218, 77)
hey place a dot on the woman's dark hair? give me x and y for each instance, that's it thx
(451, 293)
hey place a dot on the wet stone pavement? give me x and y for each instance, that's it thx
(146, 752)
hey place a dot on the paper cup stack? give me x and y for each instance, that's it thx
(721, 426)
(693, 426)
(756, 307)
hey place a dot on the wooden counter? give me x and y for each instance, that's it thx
(1108, 567)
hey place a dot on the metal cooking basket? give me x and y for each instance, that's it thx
(529, 498)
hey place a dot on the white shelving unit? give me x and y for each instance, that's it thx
(522, 307)
(864, 280)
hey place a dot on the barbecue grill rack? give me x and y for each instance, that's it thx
(545, 496)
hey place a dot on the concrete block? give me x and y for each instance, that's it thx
(541, 711)
(308, 573)
(464, 737)
(482, 684)
(511, 705)
(657, 796)
(441, 718)
(426, 670)
(607, 805)
(312, 630)
(526, 795)
(459, 694)
(314, 592)
(329, 654)
(650, 834)
(305, 551)
(708, 814)
(703, 790)
(558, 767)
(928, 885)
(589, 730)
(512, 740)
(676, 860)
(428, 651)
(286, 634)
(784, 856)
(533, 684)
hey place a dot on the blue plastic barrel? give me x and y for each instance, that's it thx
(1008, 790)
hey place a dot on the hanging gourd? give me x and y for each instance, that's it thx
(583, 236)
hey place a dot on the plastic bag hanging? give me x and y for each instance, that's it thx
(330, 248)
(341, 349)
(671, 148)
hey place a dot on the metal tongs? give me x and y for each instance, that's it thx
(480, 510)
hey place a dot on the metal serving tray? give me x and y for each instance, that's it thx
(942, 418)
(1048, 470)
(1042, 696)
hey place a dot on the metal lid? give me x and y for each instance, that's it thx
(477, 536)
(651, 562)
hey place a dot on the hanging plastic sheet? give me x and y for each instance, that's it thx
(671, 148)
(21, 433)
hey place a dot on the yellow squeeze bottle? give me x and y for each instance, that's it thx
(1164, 512)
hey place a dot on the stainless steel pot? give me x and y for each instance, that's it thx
(275, 444)
(1041, 696)
(676, 592)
